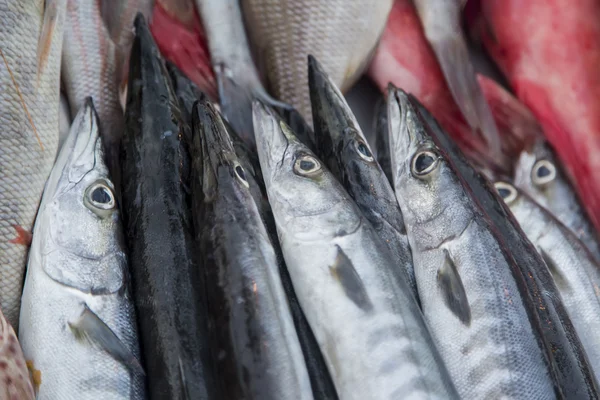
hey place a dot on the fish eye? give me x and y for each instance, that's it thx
(241, 174)
(306, 165)
(99, 197)
(506, 191)
(363, 150)
(424, 162)
(543, 172)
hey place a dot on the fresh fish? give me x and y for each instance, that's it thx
(441, 21)
(449, 202)
(574, 269)
(77, 324)
(118, 16)
(539, 174)
(341, 33)
(342, 146)
(253, 335)
(31, 37)
(382, 139)
(158, 228)
(14, 375)
(406, 59)
(180, 37)
(366, 321)
(550, 52)
(237, 79)
(64, 121)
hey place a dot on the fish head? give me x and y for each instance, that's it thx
(79, 213)
(537, 173)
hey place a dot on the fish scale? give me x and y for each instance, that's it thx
(24, 164)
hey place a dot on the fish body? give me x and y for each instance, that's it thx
(382, 139)
(365, 319)
(549, 52)
(31, 43)
(341, 33)
(17, 383)
(341, 144)
(159, 231)
(247, 306)
(574, 269)
(539, 174)
(563, 352)
(77, 323)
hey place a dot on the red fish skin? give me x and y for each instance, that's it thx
(180, 37)
(550, 52)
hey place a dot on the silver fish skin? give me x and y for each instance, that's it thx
(252, 323)
(77, 324)
(31, 38)
(366, 321)
(469, 297)
(14, 374)
(238, 81)
(574, 269)
(341, 144)
(539, 174)
(441, 20)
(341, 33)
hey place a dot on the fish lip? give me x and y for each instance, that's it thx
(272, 141)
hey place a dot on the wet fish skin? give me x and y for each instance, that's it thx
(341, 33)
(382, 139)
(342, 146)
(74, 268)
(158, 228)
(539, 174)
(450, 243)
(15, 369)
(572, 374)
(31, 51)
(364, 319)
(574, 269)
(247, 306)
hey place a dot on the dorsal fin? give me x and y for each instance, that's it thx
(453, 291)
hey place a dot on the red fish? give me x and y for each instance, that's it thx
(550, 52)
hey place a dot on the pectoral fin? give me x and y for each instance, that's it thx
(91, 328)
(453, 291)
(343, 270)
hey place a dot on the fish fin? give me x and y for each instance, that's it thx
(343, 270)
(559, 278)
(453, 291)
(453, 55)
(91, 328)
(46, 36)
(23, 236)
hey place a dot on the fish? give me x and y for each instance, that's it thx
(382, 138)
(31, 37)
(539, 173)
(366, 321)
(441, 21)
(247, 307)
(550, 53)
(238, 81)
(528, 287)
(405, 58)
(118, 17)
(165, 276)
(180, 37)
(14, 373)
(343, 34)
(77, 311)
(343, 148)
(574, 269)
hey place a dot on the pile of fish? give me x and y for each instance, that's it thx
(170, 228)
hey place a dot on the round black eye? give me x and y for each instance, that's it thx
(424, 163)
(506, 191)
(543, 172)
(306, 165)
(100, 198)
(240, 172)
(363, 150)
(101, 195)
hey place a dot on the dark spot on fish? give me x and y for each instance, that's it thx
(307, 165)
(543, 171)
(453, 291)
(423, 161)
(504, 192)
(343, 270)
(240, 173)
(101, 196)
(12, 349)
(3, 365)
(362, 148)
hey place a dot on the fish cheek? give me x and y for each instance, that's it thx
(453, 291)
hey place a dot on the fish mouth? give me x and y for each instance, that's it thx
(402, 121)
(273, 137)
(214, 137)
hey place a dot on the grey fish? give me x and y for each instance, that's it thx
(31, 38)
(574, 269)
(158, 226)
(438, 159)
(382, 139)
(78, 324)
(539, 174)
(341, 33)
(366, 321)
(254, 341)
(342, 146)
